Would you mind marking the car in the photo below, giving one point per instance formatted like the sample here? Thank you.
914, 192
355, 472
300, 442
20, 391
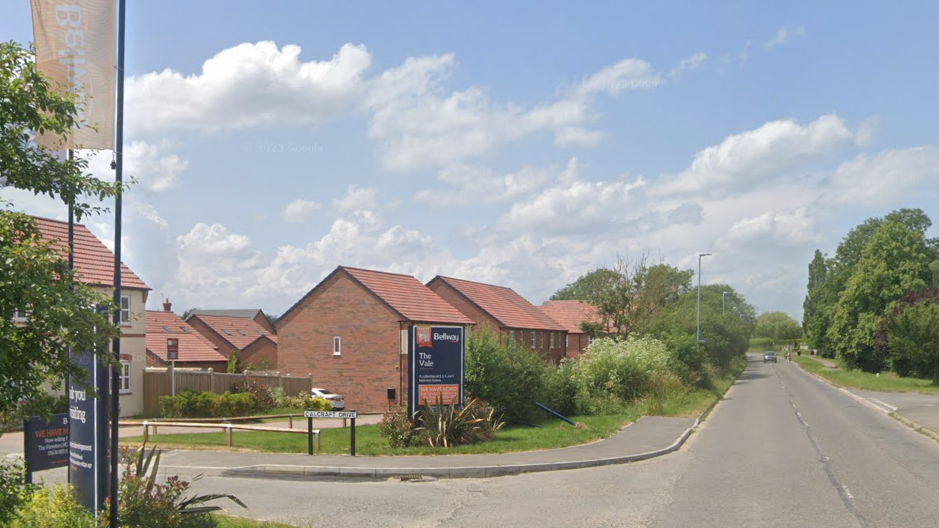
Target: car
769, 356
337, 402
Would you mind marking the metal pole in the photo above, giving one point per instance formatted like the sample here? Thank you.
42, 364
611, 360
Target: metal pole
119, 180
699, 297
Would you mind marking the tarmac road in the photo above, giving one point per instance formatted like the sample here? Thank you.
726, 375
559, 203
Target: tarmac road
783, 449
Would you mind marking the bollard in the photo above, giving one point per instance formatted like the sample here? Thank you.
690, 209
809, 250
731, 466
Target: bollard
290, 420
146, 432
228, 434
317, 440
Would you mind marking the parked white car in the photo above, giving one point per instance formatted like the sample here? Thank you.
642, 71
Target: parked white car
338, 402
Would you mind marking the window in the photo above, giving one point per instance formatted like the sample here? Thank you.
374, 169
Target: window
533, 337
552, 339
124, 377
125, 310
589, 340
512, 336
337, 346
224, 331
166, 329
19, 316
183, 328
567, 341
240, 332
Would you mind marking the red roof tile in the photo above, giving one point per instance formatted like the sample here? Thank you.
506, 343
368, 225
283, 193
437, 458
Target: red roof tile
407, 296
571, 313
193, 346
510, 309
240, 332
94, 262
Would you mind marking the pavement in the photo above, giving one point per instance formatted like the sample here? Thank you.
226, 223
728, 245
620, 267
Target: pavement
646, 438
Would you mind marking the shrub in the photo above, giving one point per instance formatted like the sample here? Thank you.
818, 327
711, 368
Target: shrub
398, 428
52, 508
144, 503
443, 425
510, 377
13, 490
263, 397
189, 404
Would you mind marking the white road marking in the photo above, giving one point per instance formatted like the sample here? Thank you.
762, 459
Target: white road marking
887, 405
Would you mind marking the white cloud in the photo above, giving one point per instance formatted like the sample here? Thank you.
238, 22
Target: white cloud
480, 185
212, 263
154, 166
629, 74
418, 124
299, 210
783, 36
689, 63
248, 85
886, 177
356, 199
786, 228
742, 161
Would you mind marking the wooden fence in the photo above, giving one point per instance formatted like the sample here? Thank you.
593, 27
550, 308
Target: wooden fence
157, 383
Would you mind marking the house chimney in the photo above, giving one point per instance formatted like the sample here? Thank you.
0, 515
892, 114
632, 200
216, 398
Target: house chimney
167, 305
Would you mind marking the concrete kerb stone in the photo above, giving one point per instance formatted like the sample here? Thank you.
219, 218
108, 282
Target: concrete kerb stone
915, 426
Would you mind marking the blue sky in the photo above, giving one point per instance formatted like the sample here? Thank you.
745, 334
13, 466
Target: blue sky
520, 145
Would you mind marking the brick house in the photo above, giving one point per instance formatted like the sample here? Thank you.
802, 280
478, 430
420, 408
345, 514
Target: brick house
195, 350
94, 266
255, 314
350, 333
503, 310
255, 345
571, 314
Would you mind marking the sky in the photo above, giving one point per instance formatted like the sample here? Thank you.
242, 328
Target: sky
521, 145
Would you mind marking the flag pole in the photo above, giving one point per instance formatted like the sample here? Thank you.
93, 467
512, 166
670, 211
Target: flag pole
118, 179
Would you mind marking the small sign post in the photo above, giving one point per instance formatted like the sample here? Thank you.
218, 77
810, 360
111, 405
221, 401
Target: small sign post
45, 444
172, 349
309, 415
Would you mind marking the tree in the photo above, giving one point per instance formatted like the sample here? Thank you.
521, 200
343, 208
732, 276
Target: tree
893, 262
814, 313
272, 319
588, 287
777, 326
914, 338
628, 296
34, 277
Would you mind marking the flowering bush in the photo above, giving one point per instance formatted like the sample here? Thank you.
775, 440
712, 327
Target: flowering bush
263, 397
398, 428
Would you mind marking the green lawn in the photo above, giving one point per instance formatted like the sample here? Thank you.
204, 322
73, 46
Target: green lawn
225, 521
551, 434
885, 382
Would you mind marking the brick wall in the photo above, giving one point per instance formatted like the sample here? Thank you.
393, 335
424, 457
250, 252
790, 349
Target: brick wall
369, 361
261, 349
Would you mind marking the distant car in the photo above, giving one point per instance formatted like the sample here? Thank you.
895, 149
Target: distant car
769, 356
338, 402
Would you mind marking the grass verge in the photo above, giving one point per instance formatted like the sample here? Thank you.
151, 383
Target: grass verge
551, 434
226, 521
856, 379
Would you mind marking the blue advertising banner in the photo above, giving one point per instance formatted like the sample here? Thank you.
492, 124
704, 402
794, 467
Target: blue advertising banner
87, 440
45, 443
436, 366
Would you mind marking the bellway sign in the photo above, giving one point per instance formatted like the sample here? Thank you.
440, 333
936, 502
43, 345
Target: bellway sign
436, 366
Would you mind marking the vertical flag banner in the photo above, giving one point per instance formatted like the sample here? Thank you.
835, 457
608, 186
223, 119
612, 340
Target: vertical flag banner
75, 48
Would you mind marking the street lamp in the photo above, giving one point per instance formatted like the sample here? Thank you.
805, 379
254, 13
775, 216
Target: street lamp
724, 302
699, 294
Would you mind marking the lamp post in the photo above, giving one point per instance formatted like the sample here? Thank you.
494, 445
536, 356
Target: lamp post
700, 255
724, 303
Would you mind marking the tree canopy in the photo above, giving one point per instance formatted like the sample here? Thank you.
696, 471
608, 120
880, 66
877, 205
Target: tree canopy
34, 278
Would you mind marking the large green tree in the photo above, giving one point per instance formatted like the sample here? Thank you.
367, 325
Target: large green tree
893, 262
34, 277
628, 296
777, 326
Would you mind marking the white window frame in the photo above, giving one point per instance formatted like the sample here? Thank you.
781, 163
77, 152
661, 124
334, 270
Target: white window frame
125, 312
552, 340
19, 316
337, 346
512, 336
589, 340
534, 339
124, 377
567, 341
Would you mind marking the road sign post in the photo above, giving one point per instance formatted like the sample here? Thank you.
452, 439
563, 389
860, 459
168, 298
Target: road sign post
309, 415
